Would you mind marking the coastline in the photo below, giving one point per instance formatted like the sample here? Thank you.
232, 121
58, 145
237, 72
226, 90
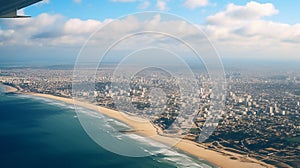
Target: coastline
222, 158
9, 89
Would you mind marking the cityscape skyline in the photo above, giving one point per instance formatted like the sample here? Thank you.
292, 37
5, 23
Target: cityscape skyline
260, 118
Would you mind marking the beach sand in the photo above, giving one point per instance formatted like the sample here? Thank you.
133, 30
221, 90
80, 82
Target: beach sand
10, 89
223, 158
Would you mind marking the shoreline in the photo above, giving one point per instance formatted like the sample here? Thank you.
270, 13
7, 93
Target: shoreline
9, 89
220, 158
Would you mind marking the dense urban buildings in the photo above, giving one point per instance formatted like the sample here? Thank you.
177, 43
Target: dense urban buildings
260, 117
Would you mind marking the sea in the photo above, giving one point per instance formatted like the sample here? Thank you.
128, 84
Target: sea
38, 132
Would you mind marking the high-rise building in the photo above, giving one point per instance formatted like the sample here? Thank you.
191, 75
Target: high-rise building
276, 109
270, 109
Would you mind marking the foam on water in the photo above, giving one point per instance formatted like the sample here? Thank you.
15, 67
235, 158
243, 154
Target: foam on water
146, 141
49, 101
111, 127
170, 155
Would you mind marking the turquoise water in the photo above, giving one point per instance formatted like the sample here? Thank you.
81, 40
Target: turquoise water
38, 132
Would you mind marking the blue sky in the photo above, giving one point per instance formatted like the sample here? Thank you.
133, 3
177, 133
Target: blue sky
102, 9
238, 28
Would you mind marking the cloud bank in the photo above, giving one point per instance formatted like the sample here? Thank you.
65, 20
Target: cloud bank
237, 31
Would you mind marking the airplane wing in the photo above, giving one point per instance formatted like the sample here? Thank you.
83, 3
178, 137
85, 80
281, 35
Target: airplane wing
8, 8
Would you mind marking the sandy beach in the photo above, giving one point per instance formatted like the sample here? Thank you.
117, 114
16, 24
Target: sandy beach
9, 89
223, 158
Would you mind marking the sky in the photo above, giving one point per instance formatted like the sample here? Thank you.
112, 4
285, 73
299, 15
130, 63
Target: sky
238, 29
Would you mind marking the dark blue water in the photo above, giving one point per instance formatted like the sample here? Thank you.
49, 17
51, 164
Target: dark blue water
34, 133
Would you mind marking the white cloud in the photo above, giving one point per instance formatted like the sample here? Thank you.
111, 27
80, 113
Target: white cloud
242, 31
77, 26
6, 35
236, 31
192, 4
47, 29
241, 19
161, 5
235, 14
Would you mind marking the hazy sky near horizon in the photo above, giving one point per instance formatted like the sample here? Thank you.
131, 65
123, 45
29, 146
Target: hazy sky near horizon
238, 28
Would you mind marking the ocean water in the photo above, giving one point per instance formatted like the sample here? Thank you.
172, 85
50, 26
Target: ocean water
38, 132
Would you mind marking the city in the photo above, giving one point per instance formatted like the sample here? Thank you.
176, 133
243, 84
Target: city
260, 118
